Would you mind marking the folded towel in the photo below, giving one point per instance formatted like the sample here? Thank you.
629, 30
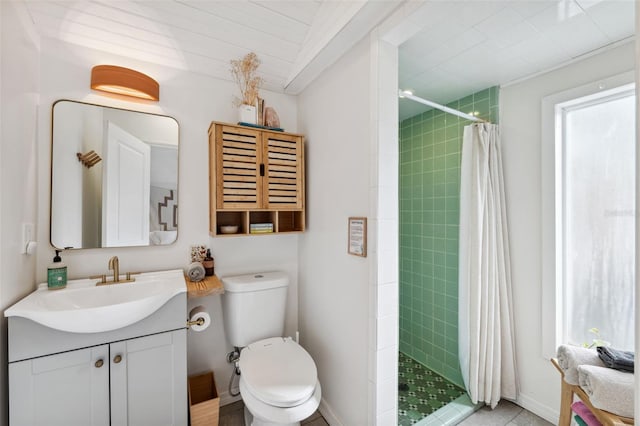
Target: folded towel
608, 389
195, 272
579, 420
570, 357
585, 414
615, 358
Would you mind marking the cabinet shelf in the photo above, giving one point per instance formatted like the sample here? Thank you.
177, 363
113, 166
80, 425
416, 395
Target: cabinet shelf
255, 177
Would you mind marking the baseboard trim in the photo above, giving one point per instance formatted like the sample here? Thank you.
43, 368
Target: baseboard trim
549, 414
327, 413
226, 398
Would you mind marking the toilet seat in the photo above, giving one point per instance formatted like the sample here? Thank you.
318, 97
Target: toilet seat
278, 372
265, 414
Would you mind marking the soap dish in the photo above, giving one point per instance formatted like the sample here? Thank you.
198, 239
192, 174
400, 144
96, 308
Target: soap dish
228, 229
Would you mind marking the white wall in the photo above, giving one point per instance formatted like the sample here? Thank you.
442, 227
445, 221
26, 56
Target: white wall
18, 100
194, 100
334, 115
520, 120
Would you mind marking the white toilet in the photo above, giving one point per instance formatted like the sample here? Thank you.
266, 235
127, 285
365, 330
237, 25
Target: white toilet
278, 378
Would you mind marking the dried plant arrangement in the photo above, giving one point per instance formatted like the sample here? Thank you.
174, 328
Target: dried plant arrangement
244, 74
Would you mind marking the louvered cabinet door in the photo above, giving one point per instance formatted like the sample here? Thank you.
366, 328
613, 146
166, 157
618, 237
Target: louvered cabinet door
238, 180
283, 168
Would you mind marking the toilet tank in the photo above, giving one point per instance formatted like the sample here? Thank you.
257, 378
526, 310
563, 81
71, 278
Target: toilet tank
253, 306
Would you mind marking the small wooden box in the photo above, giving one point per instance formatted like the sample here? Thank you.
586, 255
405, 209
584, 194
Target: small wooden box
204, 402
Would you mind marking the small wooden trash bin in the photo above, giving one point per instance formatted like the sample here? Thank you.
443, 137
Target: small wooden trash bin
204, 402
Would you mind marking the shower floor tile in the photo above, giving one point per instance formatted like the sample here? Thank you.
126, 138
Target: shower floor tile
427, 391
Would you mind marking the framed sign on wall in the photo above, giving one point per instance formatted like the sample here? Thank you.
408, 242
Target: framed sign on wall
358, 236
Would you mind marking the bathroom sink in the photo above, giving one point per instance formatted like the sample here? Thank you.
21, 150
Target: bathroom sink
83, 307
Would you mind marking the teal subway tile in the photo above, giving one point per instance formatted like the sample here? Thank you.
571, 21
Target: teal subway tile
452, 161
452, 175
452, 189
483, 107
439, 148
450, 303
439, 174
438, 355
451, 274
451, 246
451, 330
439, 312
481, 95
452, 132
451, 345
440, 259
452, 203
439, 120
450, 317
453, 231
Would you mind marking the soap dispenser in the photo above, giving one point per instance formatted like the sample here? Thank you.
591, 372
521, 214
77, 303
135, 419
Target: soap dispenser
57, 273
208, 264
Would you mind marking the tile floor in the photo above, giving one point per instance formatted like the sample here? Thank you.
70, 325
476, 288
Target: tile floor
425, 391
505, 414
233, 415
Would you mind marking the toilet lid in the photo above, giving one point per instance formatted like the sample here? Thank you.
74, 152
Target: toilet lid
278, 372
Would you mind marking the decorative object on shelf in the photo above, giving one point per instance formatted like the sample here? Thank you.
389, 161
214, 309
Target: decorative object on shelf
244, 74
228, 229
261, 228
257, 126
196, 272
198, 253
208, 264
89, 159
124, 81
358, 236
271, 118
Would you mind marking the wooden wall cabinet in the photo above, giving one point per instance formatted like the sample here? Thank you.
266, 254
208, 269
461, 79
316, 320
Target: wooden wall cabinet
256, 176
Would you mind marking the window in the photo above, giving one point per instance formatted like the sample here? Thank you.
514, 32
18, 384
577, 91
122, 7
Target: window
591, 275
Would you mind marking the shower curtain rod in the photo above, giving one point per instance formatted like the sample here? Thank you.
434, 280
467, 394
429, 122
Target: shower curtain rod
407, 94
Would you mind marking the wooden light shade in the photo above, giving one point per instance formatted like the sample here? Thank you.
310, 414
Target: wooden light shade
124, 81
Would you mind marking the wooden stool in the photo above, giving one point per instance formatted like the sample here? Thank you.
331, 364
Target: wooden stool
566, 399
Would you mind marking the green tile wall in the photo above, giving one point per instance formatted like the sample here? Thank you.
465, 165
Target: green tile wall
430, 146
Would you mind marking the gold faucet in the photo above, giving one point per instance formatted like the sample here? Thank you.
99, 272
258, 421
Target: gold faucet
114, 264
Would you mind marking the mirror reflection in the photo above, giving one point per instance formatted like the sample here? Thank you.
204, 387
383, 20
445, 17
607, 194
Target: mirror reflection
114, 177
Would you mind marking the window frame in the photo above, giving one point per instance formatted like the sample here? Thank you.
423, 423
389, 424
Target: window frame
552, 150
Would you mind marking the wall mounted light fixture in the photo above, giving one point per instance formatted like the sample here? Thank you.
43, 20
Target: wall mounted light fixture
124, 81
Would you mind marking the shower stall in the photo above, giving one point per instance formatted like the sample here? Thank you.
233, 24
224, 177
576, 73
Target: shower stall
430, 156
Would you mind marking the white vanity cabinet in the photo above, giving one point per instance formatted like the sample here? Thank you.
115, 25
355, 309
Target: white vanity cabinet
132, 376
71, 388
149, 380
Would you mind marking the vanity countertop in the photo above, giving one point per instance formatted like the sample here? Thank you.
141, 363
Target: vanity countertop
208, 287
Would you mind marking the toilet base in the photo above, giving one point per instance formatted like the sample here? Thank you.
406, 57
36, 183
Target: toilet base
250, 420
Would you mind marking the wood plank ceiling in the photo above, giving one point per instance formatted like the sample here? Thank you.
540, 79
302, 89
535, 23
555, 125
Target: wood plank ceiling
452, 48
295, 39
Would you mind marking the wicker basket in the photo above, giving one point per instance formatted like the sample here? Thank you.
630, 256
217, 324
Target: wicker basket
204, 402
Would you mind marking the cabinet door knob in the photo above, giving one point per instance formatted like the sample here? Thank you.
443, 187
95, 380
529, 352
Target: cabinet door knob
99, 363
117, 359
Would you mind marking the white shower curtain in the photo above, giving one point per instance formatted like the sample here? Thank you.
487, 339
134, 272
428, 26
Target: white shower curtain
486, 343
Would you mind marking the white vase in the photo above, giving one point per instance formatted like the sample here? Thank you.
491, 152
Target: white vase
247, 114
